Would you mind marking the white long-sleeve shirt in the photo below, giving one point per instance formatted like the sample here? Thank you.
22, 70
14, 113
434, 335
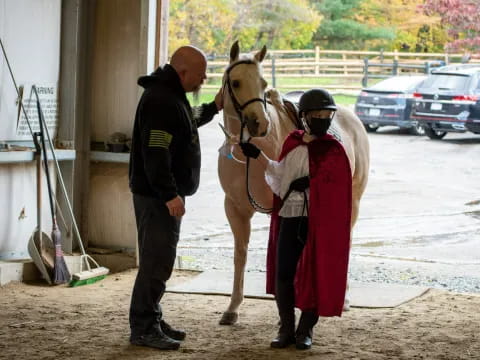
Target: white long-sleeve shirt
279, 176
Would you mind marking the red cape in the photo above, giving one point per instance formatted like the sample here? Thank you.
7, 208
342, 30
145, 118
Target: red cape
321, 277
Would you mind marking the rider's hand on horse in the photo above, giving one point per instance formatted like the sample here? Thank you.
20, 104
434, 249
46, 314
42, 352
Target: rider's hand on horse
249, 150
176, 207
300, 184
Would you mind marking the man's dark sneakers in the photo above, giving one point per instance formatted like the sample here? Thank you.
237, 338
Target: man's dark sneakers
303, 342
156, 340
171, 332
282, 341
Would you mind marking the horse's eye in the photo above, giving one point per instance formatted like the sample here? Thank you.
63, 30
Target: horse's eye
236, 83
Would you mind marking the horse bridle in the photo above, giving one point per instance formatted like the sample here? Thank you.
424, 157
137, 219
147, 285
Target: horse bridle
238, 109
236, 105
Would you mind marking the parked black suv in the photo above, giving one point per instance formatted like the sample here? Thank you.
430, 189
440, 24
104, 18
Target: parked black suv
449, 101
388, 103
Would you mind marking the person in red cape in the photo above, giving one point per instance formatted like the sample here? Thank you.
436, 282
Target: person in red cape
309, 243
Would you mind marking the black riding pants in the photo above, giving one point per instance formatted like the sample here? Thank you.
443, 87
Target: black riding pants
158, 234
291, 241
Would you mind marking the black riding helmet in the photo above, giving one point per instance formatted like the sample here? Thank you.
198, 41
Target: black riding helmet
316, 99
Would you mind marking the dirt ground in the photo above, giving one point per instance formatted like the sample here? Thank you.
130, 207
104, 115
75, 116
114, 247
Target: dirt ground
91, 322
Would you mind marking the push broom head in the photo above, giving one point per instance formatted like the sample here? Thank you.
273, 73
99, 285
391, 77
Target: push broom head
90, 276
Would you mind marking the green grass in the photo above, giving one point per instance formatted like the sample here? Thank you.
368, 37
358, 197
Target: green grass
300, 81
345, 99
303, 81
206, 97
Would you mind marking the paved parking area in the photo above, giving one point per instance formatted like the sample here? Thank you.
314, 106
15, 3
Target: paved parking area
419, 219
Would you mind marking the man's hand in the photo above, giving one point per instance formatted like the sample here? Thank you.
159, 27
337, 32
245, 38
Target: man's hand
219, 99
176, 207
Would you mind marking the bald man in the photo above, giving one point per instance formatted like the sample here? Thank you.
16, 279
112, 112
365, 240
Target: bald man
164, 169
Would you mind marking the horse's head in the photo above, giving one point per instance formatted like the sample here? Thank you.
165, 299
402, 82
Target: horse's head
244, 90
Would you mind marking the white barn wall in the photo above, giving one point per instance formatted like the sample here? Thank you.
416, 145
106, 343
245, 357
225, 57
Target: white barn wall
122, 51
111, 220
115, 67
30, 32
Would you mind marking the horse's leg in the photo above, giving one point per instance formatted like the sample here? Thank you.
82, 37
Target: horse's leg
355, 208
240, 225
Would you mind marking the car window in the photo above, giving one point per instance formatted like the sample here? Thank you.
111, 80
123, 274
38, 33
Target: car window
398, 83
446, 82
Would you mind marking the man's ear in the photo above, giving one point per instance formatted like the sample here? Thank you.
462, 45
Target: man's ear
182, 75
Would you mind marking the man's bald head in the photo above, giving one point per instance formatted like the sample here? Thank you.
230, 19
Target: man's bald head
190, 63
187, 56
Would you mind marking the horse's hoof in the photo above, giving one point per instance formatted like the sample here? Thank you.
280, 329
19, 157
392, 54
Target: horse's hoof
229, 318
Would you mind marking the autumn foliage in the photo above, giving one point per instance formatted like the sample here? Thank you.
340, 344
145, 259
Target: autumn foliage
461, 18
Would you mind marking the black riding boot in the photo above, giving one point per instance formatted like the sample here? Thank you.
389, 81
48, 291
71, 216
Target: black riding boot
285, 303
291, 239
305, 330
286, 333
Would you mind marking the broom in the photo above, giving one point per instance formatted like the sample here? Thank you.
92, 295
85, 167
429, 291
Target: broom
61, 275
83, 277
91, 274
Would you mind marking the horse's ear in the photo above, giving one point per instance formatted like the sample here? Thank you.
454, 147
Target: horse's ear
259, 56
234, 52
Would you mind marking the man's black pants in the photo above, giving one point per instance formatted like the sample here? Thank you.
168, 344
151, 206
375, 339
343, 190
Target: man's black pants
291, 241
158, 235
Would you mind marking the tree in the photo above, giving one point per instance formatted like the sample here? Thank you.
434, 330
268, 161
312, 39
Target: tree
414, 30
213, 25
206, 24
341, 29
280, 24
461, 19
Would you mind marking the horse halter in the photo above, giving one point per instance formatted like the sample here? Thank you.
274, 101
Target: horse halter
239, 108
236, 105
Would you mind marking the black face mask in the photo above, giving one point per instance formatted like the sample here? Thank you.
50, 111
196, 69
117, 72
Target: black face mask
319, 126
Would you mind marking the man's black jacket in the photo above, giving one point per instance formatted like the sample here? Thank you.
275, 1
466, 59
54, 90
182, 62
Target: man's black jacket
165, 153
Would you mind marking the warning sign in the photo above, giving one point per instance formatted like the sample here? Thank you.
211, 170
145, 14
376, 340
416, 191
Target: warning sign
49, 106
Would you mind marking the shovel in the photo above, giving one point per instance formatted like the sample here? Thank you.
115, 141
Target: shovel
60, 274
40, 246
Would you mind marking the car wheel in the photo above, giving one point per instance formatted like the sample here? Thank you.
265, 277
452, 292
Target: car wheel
371, 127
434, 134
417, 129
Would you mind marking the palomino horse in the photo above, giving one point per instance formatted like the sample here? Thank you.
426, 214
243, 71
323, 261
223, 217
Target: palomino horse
245, 102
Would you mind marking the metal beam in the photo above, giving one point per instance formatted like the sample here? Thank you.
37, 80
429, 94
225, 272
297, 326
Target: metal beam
74, 130
161, 39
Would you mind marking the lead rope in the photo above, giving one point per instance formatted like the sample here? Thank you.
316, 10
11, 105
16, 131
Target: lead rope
252, 201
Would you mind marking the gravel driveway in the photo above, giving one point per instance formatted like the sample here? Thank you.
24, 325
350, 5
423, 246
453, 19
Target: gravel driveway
419, 219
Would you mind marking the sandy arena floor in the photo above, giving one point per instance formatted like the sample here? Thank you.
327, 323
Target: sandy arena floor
91, 322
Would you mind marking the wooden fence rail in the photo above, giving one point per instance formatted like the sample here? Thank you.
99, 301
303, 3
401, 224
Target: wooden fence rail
346, 70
